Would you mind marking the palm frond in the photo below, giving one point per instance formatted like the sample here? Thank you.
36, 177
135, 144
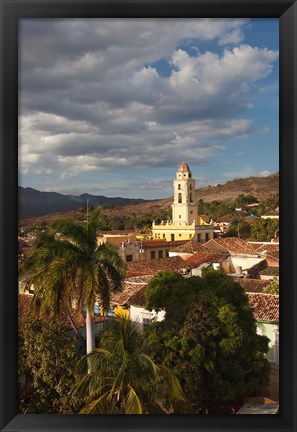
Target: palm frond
72, 230
101, 405
133, 404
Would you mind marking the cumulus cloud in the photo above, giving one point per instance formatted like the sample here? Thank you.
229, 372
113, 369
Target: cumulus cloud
92, 96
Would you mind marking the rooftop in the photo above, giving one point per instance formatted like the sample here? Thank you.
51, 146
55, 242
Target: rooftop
257, 268
207, 256
152, 267
25, 310
265, 307
184, 167
253, 285
270, 271
232, 244
188, 247
133, 292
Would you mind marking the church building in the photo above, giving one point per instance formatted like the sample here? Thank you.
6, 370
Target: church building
185, 223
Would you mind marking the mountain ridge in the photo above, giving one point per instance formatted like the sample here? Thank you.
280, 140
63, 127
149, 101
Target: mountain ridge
33, 203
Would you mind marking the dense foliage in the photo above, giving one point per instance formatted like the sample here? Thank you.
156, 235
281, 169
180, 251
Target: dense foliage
47, 357
69, 268
119, 377
264, 229
273, 288
208, 338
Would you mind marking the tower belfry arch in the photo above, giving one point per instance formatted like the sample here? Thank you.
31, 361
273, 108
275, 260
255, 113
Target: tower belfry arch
185, 224
184, 208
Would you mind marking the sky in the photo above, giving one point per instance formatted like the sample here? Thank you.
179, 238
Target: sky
113, 106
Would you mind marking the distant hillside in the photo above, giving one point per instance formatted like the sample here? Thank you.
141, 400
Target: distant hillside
260, 187
33, 203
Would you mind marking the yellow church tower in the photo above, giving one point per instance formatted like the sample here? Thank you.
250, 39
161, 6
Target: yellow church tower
184, 224
184, 208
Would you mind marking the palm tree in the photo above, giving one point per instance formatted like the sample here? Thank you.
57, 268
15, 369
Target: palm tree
71, 270
120, 378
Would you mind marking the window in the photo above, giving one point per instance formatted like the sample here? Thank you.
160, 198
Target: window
172, 237
206, 237
191, 212
191, 197
164, 236
199, 237
160, 254
153, 254
179, 216
129, 258
167, 253
96, 309
190, 236
179, 235
110, 312
190, 175
145, 323
179, 187
179, 198
156, 235
190, 186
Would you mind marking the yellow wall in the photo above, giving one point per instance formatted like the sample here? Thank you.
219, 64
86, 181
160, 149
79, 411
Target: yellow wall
116, 239
186, 232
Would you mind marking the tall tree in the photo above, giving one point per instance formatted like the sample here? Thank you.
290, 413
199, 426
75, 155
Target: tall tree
47, 356
121, 378
72, 271
208, 338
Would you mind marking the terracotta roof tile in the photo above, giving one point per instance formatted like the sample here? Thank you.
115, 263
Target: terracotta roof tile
189, 247
265, 247
265, 307
200, 258
232, 244
270, 271
152, 267
256, 268
184, 167
24, 310
133, 291
253, 285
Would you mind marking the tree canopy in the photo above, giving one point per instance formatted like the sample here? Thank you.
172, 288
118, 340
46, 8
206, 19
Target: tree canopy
121, 378
71, 270
208, 338
48, 357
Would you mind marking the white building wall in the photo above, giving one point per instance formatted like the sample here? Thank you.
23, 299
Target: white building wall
244, 261
139, 314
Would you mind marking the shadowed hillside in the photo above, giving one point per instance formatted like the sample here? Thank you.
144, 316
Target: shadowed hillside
260, 187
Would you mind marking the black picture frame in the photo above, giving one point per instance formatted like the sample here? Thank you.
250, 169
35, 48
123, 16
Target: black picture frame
11, 12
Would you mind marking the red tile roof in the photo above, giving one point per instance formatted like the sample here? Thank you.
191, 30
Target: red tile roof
265, 307
200, 258
184, 167
233, 244
253, 285
270, 271
152, 267
188, 247
25, 310
133, 292
256, 268
265, 247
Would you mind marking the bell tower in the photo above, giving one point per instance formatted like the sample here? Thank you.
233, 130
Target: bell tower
184, 208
